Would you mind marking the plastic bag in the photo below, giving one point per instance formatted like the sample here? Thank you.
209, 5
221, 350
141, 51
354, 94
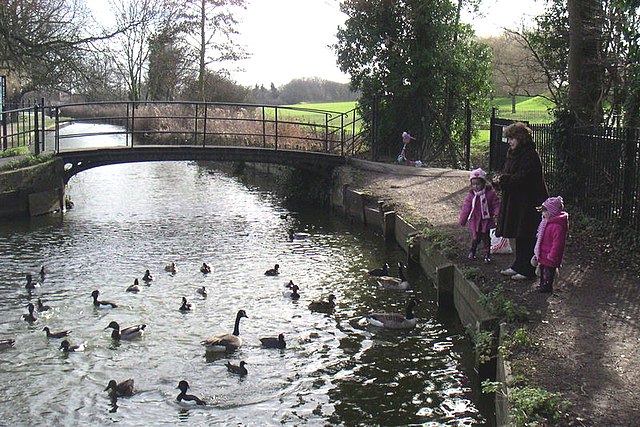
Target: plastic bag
499, 245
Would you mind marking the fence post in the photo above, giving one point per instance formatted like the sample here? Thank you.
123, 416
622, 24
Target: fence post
374, 125
326, 132
195, 125
628, 181
36, 131
5, 144
342, 134
57, 131
44, 141
204, 126
264, 129
133, 121
276, 127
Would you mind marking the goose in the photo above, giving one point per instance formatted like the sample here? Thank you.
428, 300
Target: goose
123, 389
147, 276
237, 369
202, 291
30, 285
297, 235
205, 268
183, 386
42, 273
226, 342
60, 334
273, 342
129, 333
170, 268
97, 303
135, 287
29, 317
321, 305
394, 320
384, 271
273, 271
68, 348
42, 307
394, 282
292, 293
185, 305
8, 343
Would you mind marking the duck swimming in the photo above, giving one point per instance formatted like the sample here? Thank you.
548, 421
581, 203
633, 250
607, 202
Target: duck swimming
68, 348
237, 369
29, 317
183, 386
123, 389
384, 271
60, 334
8, 343
297, 236
226, 342
399, 282
205, 268
171, 268
98, 303
394, 320
42, 307
292, 293
185, 305
147, 276
30, 285
135, 287
321, 305
129, 333
273, 271
202, 291
42, 273
273, 342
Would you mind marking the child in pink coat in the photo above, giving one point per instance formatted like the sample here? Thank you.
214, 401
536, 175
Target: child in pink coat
551, 240
479, 209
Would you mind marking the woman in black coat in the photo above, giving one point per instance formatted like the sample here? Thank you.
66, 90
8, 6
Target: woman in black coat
523, 189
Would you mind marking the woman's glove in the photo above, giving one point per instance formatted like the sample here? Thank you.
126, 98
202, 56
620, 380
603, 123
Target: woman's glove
534, 261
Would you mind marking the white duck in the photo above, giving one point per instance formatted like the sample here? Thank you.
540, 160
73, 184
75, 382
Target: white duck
226, 342
399, 282
394, 320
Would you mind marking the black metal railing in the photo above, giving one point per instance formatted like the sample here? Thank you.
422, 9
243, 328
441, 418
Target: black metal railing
188, 123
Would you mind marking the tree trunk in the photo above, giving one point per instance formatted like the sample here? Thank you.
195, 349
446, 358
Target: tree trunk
203, 43
585, 67
513, 103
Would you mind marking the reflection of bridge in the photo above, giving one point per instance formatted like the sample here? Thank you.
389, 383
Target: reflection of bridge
160, 131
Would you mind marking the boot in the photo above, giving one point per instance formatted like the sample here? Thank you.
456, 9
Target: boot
472, 252
487, 256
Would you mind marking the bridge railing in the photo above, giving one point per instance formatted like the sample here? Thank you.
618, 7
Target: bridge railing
184, 123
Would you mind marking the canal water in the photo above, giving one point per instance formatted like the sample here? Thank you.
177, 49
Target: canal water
128, 218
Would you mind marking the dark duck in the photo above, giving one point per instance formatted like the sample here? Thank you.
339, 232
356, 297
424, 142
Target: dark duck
97, 303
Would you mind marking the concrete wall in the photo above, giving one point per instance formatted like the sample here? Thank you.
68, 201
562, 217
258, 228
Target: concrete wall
33, 190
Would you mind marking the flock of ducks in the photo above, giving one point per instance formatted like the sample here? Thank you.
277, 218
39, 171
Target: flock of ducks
224, 342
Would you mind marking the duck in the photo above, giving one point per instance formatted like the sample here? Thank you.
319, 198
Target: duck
394, 320
147, 276
237, 369
30, 317
297, 235
273, 342
135, 287
226, 342
170, 268
399, 282
60, 334
123, 389
383, 271
205, 268
42, 307
321, 305
98, 303
30, 285
273, 271
185, 305
42, 273
202, 291
129, 333
183, 386
292, 292
7, 343
68, 348
289, 285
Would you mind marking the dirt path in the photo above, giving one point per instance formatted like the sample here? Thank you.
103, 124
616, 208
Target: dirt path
588, 330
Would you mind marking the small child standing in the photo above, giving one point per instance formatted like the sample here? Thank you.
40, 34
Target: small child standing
551, 240
480, 208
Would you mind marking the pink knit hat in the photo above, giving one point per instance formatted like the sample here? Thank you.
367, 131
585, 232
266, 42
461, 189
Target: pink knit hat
477, 173
554, 205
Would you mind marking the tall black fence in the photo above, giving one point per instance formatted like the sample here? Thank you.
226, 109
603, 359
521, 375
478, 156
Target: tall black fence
597, 169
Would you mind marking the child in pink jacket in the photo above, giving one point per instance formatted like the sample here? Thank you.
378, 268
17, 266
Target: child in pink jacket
552, 237
479, 209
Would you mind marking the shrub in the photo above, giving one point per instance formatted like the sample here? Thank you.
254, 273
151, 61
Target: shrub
500, 306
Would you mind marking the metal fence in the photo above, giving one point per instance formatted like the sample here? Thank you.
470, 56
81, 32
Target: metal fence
596, 169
